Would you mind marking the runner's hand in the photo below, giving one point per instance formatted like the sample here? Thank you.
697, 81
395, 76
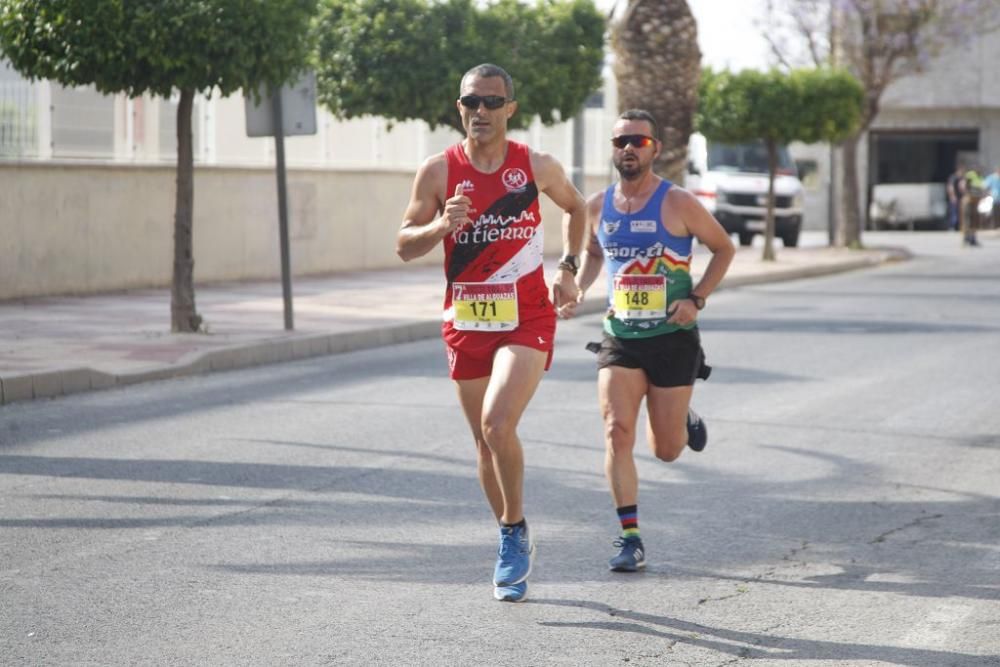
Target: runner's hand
682, 312
456, 211
565, 294
568, 309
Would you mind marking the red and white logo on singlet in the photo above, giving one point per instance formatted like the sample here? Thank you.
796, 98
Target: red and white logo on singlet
515, 180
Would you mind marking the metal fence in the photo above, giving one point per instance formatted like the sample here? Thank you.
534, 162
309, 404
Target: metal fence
18, 119
43, 120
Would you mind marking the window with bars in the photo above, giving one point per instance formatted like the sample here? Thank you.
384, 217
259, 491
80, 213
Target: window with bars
18, 115
83, 123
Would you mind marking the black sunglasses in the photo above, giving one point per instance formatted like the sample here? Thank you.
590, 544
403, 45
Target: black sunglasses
491, 101
637, 140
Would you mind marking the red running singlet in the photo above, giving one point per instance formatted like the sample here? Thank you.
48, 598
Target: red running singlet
497, 259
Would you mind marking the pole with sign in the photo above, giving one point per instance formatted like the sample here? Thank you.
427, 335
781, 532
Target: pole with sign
290, 112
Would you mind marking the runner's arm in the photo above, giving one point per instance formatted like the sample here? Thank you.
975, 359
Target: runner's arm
593, 258
679, 204
423, 228
703, 226
551, 179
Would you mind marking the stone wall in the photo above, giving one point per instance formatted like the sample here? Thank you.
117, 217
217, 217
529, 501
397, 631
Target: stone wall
83, 228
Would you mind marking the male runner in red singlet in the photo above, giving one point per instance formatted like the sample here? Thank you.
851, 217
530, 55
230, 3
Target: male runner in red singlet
643, 226
480, 198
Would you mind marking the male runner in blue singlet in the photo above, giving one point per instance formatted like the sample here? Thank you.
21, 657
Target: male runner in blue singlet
644, 226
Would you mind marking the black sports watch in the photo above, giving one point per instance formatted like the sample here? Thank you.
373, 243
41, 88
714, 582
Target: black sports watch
698, 301
570, 263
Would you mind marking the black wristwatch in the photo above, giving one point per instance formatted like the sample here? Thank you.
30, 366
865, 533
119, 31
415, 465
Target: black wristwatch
698, 301
570, 263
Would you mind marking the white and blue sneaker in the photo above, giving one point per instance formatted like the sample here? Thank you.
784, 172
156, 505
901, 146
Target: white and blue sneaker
513, 593
514, 557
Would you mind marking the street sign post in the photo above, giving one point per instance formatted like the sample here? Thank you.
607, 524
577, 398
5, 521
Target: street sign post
291, 112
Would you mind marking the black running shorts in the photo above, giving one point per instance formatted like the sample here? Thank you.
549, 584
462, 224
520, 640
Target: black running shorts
669, 360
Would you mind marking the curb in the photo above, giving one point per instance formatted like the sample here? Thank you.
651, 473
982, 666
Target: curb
50, 384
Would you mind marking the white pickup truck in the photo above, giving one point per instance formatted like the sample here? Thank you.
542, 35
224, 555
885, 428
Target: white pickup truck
731, 180
908, 205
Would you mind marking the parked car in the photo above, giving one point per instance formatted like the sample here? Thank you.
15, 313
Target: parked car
908, 205
731, 180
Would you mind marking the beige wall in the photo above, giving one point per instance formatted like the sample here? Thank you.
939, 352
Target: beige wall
79, 228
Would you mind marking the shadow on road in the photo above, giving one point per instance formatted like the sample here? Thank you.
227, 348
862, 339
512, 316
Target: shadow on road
755, 645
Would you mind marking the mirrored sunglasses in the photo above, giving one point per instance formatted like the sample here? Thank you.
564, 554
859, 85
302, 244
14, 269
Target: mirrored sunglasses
490, 101
637, 140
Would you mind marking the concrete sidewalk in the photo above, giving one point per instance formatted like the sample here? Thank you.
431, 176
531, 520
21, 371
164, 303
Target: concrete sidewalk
62, 345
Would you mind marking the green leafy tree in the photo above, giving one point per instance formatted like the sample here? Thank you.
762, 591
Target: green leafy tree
775, 107
140, 46
402, 59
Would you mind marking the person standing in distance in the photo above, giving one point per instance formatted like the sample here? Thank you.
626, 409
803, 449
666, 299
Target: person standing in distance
480, 198
952, 188
973, 190
644, 226
992, 185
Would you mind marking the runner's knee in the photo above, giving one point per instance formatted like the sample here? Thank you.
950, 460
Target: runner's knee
498, 431
618, 435
667, 448
483, 451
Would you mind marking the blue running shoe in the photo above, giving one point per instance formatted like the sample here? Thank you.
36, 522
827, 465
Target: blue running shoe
514, 557
514, 593
632, 556
697, 432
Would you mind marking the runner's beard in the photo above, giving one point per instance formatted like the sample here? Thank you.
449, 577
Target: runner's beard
632, 171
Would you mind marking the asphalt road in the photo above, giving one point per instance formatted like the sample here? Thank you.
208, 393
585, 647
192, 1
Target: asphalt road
845, 511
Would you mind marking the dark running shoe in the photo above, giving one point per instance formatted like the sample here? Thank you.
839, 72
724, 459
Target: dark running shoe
697, 433
632, 556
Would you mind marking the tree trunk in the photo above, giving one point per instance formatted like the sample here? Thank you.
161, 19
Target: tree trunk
851, 236
772, 168
183, 316
657, 66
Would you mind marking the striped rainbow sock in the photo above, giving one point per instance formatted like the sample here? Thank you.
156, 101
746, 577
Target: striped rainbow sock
629, 517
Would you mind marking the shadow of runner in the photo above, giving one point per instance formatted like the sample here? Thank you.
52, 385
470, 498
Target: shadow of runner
756, 645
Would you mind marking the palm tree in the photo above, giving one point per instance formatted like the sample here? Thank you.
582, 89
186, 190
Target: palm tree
657, 66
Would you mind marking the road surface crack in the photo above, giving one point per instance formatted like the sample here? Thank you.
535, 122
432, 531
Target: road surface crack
916, 522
